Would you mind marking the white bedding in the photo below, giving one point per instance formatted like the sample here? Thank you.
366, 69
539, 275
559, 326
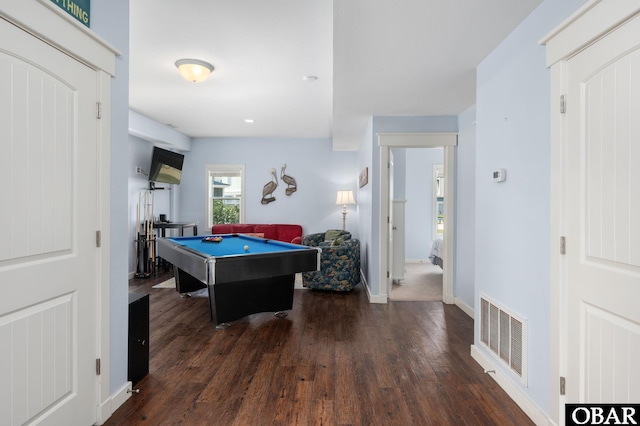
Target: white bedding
436, 249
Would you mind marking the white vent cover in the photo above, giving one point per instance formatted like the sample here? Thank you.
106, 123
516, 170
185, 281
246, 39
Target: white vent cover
505, 334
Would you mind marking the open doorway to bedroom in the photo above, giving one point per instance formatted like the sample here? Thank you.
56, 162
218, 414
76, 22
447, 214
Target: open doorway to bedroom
418, 224
387, 142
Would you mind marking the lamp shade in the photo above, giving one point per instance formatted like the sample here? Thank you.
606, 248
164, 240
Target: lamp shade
194, 70
345, 197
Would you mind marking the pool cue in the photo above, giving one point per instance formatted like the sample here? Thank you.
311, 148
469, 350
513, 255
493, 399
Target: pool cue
153, 237
146, 230
138, 247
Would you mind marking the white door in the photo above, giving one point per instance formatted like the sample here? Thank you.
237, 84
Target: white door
48, 254
602, 207
398, 238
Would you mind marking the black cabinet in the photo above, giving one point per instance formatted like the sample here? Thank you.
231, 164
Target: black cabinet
138, 336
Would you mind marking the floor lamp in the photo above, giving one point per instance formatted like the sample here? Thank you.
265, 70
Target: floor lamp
345, 197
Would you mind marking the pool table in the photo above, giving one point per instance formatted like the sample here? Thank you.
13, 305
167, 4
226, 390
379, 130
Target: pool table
243, 274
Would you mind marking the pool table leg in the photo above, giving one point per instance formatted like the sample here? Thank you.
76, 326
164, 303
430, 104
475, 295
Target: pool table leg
234, 300
185, 283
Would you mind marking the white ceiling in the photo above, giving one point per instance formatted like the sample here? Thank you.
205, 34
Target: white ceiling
371, 57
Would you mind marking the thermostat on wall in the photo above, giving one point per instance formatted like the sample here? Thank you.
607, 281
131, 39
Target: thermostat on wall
499, 175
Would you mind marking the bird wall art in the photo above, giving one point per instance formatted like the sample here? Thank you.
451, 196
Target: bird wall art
290, 181
269, 187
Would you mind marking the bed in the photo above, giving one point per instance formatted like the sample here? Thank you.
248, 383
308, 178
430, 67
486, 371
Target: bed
436, 253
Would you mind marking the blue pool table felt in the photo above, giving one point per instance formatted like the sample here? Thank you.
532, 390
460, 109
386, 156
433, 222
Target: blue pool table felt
233, 245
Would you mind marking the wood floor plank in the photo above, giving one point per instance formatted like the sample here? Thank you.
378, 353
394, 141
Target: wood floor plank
322, 412
257, 396
335, 360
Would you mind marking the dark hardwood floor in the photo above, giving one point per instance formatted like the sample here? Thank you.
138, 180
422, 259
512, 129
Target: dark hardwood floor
335, 360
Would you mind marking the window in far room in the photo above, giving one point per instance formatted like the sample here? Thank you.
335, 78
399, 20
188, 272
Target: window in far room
225, 193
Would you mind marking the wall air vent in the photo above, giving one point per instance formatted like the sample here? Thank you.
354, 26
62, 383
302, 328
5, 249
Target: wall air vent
505, 335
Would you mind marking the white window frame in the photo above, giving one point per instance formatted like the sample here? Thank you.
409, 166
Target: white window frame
209, 189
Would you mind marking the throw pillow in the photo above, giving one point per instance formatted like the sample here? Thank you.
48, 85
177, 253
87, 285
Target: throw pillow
337, 242
269, 231
332, 234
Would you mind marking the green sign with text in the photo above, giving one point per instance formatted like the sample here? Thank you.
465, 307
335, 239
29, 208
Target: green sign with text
79, 9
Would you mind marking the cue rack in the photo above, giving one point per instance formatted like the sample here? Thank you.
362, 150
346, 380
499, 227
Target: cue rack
145, 241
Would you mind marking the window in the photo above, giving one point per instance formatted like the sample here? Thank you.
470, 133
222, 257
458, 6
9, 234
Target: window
225, 193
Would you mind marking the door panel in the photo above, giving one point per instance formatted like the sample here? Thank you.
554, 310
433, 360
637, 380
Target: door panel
602, 208
48, 256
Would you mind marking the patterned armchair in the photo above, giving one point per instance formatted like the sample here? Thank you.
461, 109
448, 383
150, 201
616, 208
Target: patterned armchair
339, 262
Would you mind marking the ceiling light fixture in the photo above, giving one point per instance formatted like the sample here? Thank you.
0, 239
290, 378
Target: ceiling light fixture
310, 78
249, 120
194, 70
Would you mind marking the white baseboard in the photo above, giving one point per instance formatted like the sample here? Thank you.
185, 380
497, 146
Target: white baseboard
465, 308
376, 299
530, 409
372, 299
108, 407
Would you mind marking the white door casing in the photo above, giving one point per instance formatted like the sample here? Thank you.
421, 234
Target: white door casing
390, 224
48, 255
596, 204
386, 141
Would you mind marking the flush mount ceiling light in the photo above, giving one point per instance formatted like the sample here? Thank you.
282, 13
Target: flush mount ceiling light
310, 78
194, 70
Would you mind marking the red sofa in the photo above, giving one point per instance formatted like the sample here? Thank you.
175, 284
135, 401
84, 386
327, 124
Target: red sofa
281, 232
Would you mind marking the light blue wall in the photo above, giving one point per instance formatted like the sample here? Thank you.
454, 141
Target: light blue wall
319, 172
110, 20
512, 218
365, 197
464, 278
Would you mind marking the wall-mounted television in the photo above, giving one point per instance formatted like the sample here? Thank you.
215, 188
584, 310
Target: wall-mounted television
166, 166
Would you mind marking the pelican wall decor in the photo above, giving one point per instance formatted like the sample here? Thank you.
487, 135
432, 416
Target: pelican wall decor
291, 182
269, 187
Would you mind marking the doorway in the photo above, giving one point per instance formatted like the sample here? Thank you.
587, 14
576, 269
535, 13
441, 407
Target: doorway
418, 223
386, 141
